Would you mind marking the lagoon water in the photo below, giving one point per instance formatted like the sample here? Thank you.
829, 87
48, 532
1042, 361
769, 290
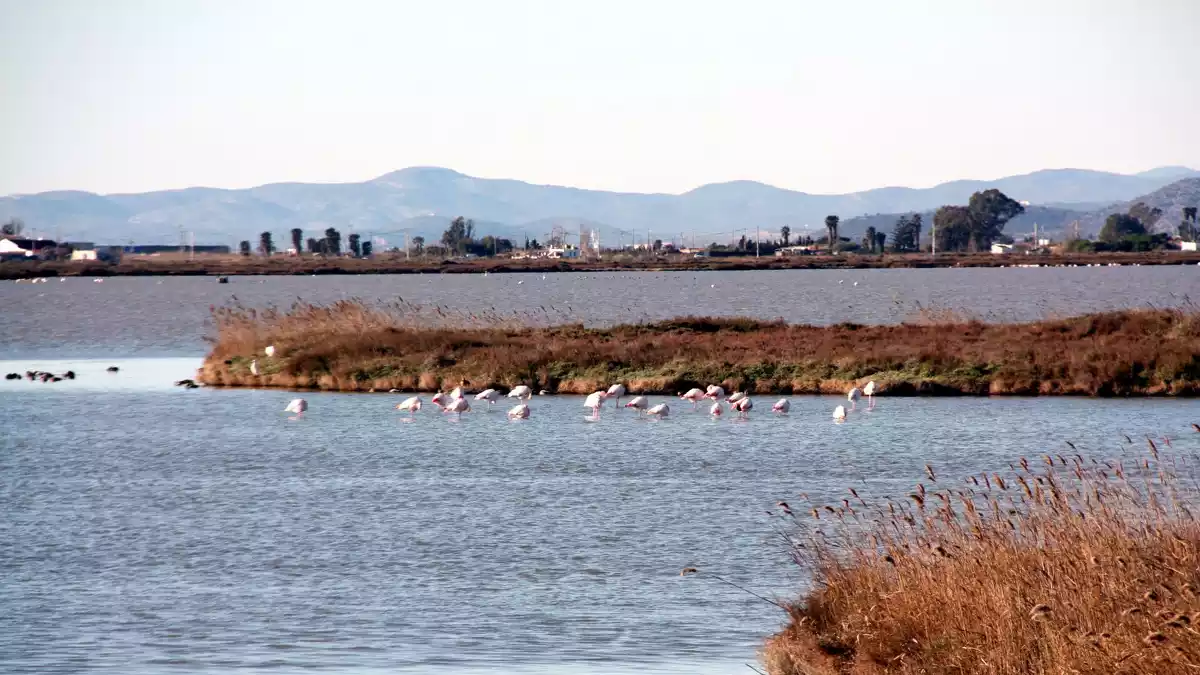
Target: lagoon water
150, 529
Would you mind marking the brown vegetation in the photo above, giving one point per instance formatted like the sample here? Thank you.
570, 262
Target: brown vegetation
357, 347
225, 265
1063, 565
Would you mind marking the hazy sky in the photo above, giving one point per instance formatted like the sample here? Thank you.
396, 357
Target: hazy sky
135, 95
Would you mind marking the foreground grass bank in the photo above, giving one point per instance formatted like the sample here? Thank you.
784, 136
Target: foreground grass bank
351, 346
1062, 565
234, 265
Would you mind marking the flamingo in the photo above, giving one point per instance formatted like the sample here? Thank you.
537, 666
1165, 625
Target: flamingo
869, 390
661, 410
270, 350
456, 393
440, 399
521, 391
714, 392
694, 395
298, 406
638, 403
743, 407
853, 397
254, 366
489, 395
716, 410
458, 406
595, 401
410, 404
839, 414
735, 397
615, 392
519, 412
782, 406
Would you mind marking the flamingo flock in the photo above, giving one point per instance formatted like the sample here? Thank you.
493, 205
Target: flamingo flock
739, 402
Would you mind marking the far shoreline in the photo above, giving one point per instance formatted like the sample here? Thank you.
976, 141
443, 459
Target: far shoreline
234, 265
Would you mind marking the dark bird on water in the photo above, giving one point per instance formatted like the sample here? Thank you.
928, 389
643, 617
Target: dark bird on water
1196, 427
112, 369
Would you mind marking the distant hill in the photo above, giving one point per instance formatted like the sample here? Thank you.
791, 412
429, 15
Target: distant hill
421, 200
1170, 198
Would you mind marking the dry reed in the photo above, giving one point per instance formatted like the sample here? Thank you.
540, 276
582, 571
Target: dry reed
1061, 565
352, 345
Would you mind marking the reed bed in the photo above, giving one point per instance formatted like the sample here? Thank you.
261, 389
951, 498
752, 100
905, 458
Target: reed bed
1061, 564
357, 346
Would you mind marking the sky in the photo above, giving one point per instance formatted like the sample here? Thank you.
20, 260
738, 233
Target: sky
637, 96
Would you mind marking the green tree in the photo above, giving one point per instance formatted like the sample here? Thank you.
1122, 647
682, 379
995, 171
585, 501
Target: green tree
333, 242
1189, 213
785, 233
831, 229
989, 211
265, 246
906, 235
869, 239
13, 228
244, 247
952, 228
1119, 226
297, 239
366, 249
313, 245
355, 248
1146, 215
418, 244
658, 244
459, 235
880, 240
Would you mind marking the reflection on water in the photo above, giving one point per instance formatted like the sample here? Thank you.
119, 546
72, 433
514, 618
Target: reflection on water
165, 316
146, 528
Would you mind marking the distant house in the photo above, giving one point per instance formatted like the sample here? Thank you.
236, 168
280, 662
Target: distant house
1187, 246
11, 247
82, 250
1001, 249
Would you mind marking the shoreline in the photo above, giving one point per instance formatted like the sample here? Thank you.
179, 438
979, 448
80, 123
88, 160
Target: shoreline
353, 347
211, 265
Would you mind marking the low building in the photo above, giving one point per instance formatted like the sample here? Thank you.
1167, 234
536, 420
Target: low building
1001, 249
82, 250
1187, 246
18, 246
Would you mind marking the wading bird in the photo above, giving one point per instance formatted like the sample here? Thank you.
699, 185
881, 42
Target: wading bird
743, 407
638, 403
869, 390
521, 391
615, 392
412, 405
694, 395
735, 397
440, 399
782, 406
716, 410
519, 412
595, 401
458, 406
660, 411
714, 392
298, 406
839, 414
853, 397
489, 395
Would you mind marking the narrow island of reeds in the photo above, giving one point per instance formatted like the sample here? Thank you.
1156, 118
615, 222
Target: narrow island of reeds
355, 346
1060, 565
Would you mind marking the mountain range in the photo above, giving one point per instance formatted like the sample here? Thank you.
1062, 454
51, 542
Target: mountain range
422, 200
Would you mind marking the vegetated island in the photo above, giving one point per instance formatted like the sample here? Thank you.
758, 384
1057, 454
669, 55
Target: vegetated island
354, 346
235, 265
1062, 563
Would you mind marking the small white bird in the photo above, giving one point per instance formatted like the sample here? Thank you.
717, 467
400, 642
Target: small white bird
856, 283
459, 406
489, 395
661, 410
412, 405
743, 407
869, 390
716, 410
520, 282
519, 412
839, 414
615, 392
853, 397
715, 392
254, 366
270, 350
782, 406
298, 406
638, 403
595, 401
735, 397
694, 395
521, 391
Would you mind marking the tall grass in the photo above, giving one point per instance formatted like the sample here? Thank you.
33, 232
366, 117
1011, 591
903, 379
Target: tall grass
355, 345
1061, 565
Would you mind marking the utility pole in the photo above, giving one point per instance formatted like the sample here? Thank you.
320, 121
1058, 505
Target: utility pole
756, 242
193, 235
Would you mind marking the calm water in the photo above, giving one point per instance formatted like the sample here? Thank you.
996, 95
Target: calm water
167, 317
149, 529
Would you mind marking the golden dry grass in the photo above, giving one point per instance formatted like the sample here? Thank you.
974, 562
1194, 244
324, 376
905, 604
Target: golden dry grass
354, 346
1063, 565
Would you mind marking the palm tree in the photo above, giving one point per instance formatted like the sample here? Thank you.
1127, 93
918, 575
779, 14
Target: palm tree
785, 233
831, 226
